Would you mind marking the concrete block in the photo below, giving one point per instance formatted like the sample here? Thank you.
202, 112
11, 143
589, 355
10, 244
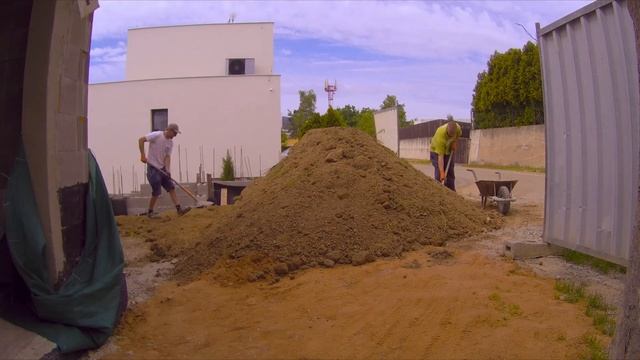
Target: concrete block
18, 343
82, 133
72, 67
519, 250
68, 101
66, 133
72, 168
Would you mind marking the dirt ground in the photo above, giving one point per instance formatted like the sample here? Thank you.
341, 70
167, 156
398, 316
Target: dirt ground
339, 197
463, 300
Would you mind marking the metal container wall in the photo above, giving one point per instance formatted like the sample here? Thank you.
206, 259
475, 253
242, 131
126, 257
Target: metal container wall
590, 77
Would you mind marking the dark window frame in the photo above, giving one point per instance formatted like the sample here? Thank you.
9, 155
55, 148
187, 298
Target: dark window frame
153, 112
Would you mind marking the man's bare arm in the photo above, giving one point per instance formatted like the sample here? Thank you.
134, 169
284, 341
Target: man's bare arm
167, 164
141, 142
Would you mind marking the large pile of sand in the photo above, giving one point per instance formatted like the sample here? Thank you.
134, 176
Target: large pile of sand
339, 197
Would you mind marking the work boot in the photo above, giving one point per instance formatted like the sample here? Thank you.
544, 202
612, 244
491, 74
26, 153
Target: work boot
153, 215
181, 211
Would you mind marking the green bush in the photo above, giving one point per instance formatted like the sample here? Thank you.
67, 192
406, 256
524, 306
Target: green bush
228, 173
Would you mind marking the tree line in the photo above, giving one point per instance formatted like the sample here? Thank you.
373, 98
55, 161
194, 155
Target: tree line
509, 92
305, 117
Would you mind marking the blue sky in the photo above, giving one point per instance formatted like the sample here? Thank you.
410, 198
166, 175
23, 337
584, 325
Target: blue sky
427, 53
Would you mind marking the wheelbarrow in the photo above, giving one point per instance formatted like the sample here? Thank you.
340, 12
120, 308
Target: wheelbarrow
496, 191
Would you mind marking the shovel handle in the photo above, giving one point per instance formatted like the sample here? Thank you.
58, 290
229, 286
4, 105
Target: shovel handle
446, 171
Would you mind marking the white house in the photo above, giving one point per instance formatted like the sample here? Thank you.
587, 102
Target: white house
215, 81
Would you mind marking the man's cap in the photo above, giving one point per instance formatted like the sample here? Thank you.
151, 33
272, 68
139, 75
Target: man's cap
175, 128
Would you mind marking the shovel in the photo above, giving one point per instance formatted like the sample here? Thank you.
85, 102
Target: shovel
199, 203
446, 171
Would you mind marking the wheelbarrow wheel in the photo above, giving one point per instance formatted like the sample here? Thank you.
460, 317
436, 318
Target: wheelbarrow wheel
503, 193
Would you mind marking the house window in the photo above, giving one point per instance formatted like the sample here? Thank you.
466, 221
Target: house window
241, 66
159, 119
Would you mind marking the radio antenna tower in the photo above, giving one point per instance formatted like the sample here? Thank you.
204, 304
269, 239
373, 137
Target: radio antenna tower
331, 90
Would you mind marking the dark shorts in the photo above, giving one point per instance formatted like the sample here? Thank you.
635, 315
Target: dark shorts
157, 180
450, 180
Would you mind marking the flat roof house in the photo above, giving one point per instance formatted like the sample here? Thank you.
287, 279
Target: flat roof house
216, 81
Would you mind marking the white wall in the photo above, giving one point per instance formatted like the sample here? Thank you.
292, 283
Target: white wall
386, 122
522, 146
216, 112
197, 50
417, 148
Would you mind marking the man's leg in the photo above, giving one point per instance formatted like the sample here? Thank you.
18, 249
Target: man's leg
174, 197
152, 203
155, 182
434, 162
450, 181
170, 188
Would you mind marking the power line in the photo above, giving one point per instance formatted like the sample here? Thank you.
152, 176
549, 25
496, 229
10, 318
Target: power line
528, 33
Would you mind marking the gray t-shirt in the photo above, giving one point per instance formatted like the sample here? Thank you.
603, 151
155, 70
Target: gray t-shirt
159, 148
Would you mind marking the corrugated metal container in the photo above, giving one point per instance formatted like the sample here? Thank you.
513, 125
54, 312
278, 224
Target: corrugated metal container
591, 104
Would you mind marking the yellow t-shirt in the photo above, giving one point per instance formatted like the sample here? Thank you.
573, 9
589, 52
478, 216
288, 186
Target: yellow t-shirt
441, 142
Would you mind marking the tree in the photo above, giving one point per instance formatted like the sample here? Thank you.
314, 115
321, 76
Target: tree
391, 101
283, 141
331, 119
509, 92
366, 123
314, 123
228, 173
305, 111
350, 115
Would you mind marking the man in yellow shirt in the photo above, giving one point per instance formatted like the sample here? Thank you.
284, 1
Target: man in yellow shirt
443, 142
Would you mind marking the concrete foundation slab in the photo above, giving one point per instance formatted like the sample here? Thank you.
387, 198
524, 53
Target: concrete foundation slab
18, 343
519, 250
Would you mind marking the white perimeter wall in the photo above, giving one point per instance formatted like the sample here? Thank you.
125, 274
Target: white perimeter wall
214, 112
522, 146
197, 50
386, 122
417, 148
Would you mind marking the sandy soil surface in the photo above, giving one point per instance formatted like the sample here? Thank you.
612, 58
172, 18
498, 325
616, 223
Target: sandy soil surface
463, 300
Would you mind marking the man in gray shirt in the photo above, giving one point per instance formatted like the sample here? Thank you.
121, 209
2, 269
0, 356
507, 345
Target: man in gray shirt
158, 163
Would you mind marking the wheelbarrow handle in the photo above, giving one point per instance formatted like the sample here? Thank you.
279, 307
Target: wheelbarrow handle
475, 178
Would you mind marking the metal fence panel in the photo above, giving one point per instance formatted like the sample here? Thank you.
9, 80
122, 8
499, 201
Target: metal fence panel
428, 128
591, 102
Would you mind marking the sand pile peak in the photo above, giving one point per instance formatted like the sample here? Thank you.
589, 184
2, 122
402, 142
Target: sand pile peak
339, 197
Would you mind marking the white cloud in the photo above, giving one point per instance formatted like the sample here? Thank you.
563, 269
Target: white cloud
109, 53
108, 63
438, 47
106, 72
410, 29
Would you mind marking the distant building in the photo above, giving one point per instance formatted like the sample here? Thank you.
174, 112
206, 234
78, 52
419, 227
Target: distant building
415, 140
287, 125
426, 129
215, 81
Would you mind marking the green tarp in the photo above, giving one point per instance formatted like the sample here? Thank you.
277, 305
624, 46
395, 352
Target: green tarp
83, 312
